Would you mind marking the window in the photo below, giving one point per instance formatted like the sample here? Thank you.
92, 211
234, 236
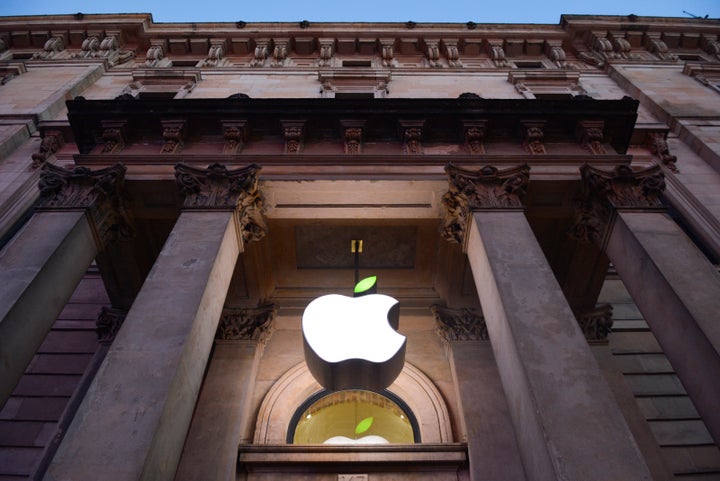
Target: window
353, 417
528, 64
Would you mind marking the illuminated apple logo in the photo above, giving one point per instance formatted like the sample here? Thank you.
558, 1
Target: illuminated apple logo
352, 342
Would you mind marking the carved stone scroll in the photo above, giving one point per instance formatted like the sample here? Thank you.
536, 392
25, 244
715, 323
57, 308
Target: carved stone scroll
216, 54
387, 46
327, 50
497, 53
155, 55
219, 188
555, 52
234, 133
487, 188
459, 324
432, 51
474, 136
657, 142
533, 141
280, 52
260, 53
174, 136
108, 324
605, 191
597, 323
113, 135
659, 48
293, 136
452, 53
590, 135
256, 324
99, 193
51, 142
52, 47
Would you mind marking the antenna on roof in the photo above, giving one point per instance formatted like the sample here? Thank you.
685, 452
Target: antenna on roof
694, 16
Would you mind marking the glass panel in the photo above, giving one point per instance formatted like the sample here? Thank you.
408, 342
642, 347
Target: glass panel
353, 417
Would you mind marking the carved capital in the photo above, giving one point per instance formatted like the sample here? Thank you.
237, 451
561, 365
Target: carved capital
474, 136
596, 324
108, 324
603, 192
487, 188
657, 142
293, 136
255, 324
113, 135
174, 136
533, 138
51, 142
590, 135
99, 193
234, 133
459, 324
216, 187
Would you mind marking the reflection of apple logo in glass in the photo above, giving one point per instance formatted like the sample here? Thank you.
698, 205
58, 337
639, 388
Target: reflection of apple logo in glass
352, 342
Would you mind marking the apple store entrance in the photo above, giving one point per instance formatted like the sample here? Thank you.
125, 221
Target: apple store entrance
353, 416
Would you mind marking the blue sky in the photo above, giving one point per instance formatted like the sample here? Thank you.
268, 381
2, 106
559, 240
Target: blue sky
479, 11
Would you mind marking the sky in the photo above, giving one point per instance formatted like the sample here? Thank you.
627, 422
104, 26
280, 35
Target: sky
479, 11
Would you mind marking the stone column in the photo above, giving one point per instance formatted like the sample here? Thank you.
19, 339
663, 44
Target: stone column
78, 212
567, 423
675, 287
222, 415
485, 420
133, 420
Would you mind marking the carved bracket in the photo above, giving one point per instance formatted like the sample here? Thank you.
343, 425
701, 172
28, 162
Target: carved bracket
261, 53
452, 53
432, 52
596, 324
474, 136
174, 136
555, 52
487, 188
97, 192
51, 142
459, 324
216, 54
657, 142
411, 132
387, 46
590, 136
53, 46
108, 324
533, 139
659, 48
280, 52
113, 135
234, 133
352, 135
293, 136
327, 50
257, 324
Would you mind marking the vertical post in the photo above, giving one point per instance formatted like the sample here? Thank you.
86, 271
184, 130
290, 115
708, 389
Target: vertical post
133, 421
78, 212
566, 420
675, 287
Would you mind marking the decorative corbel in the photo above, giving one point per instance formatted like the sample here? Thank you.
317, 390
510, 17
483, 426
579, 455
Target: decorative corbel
657, 142
622, 46
113, 135
590, 136
327, 50
459, 324
533, 138
657, 47
52, 47
603, 192
452, 53
261, 53
497, 54
219, 188
474, 136
88, 48
712, 47
555, 52
432, 51
596, 323
487, 188
216, 54
155, 55
108, 324
52, 141
174, 136
412, 137
293, 136
234, 133
255, 324
352, 135
387, 46
280, 52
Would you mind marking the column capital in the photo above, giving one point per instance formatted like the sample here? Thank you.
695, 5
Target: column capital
97, 192
604, 192
254, 324
217, 188
485, 189
459, 324
596, 323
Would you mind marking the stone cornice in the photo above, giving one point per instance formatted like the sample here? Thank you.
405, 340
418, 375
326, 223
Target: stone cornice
485, 189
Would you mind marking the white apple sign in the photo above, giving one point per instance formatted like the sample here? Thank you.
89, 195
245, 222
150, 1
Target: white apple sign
352, 342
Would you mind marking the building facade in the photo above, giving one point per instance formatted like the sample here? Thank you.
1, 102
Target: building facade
542, 200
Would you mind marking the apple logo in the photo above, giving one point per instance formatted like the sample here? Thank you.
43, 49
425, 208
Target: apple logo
352, 342
362, 427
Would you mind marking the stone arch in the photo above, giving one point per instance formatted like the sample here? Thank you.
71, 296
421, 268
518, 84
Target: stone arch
297, 385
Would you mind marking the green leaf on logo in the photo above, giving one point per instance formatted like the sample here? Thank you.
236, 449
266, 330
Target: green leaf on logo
365, 284
363, 425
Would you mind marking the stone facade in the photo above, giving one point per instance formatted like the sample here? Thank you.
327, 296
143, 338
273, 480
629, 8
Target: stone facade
541, 199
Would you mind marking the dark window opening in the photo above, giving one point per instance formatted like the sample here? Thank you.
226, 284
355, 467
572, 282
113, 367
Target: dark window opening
553, 96
157, 95
185, 63
356, 63
527, 64
354, 95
